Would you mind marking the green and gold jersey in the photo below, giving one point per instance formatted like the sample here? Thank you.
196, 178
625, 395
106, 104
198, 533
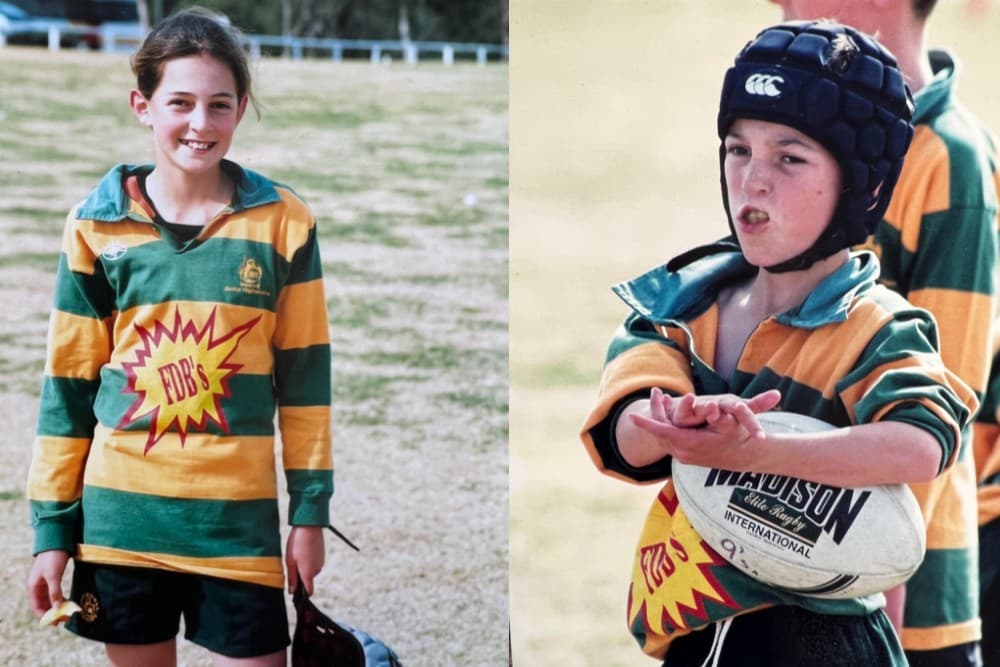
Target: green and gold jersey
937, 246
167, 363
852, 353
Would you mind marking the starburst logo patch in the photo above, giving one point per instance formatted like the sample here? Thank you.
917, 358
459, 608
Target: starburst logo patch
672, 577
180, 376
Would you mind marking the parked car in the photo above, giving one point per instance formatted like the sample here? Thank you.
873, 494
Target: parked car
120, 16
19, 26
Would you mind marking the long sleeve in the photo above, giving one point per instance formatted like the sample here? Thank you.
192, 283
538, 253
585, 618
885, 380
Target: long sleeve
79, 344
303, 383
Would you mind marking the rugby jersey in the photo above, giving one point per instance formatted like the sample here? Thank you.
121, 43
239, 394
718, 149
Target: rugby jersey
937, 247
167, 362
852, 353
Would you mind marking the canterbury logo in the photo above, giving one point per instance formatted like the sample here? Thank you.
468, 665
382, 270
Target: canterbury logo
763, 84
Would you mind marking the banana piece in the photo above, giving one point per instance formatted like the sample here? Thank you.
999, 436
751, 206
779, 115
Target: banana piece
59, 613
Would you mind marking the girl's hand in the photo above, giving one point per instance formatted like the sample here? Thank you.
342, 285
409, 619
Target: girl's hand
45, 580
305, 554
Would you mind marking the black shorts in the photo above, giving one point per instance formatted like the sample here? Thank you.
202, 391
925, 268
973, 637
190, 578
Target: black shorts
135, 605
960, 655
788, 636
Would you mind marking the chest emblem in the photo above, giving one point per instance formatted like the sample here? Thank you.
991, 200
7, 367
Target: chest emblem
250, 273
180, 375
114, 250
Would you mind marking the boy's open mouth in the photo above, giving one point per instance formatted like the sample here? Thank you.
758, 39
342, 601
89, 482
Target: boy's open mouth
754, 216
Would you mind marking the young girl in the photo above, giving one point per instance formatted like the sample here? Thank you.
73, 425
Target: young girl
189, 307
814, 123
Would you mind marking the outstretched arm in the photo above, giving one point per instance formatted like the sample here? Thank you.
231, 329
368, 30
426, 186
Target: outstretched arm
641, 443
886, 452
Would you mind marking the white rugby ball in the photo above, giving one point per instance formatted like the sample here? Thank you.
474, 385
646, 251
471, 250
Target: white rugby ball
804, 537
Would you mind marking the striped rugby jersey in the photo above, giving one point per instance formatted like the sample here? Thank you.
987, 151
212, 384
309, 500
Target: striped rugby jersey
937, 246
852, 353
167, 362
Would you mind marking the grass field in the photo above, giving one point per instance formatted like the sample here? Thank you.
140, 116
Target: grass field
614, 169
406, 171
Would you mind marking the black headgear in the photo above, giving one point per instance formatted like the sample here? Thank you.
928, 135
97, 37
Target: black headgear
843, 89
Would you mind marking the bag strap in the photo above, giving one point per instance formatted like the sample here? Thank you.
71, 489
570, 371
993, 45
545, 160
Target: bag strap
342, 536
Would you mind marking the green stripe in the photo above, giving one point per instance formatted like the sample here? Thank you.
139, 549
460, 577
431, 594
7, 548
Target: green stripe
796, 397
635, 332
309, 493
154, 273
306, 264
944, 589
248, 411
180, 526
299, 377
87, 295
66, 408
56, 524
895, 261
964, 251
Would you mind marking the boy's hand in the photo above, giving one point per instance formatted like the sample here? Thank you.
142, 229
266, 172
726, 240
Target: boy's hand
304, 556
691, 411
45, 580
710, 431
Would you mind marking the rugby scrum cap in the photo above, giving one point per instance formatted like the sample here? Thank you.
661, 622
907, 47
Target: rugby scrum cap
843, 89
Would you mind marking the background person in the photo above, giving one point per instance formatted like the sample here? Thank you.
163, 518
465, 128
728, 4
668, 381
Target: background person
937, 246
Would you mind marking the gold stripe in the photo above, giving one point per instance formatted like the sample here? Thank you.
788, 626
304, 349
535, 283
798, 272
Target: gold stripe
948, 503
306, 438
926, 179
930, 367
84, 240
305, 323
194, 471
285, 225
262, 570
227, 318
963, 320
804, 356
56, 471
78, 346
926, 639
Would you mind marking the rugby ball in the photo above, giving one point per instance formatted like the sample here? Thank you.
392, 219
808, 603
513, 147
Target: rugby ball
801, 536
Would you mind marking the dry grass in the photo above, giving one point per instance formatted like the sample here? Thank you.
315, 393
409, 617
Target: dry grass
614, 169
406, 170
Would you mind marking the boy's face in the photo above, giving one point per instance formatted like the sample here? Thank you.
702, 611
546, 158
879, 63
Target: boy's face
783, 188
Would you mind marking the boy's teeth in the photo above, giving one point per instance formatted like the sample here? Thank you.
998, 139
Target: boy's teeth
756, 216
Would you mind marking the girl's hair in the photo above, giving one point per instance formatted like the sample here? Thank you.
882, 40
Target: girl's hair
191, 32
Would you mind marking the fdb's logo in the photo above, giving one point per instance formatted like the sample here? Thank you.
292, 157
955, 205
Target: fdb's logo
763, 84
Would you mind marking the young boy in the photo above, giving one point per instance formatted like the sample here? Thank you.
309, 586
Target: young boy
937, 246
814, 123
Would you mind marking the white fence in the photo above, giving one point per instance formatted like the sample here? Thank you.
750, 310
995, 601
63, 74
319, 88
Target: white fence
125, 37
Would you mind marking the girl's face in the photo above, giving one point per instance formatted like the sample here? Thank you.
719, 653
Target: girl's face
783, 188
193, 112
